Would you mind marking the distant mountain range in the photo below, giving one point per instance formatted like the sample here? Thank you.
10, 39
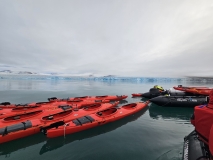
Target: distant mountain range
16, 72
10, 72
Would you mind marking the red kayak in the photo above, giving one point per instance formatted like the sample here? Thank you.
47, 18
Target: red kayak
96, 119
204, 91
195, 90
10, 127
19, 130
105, 97
137, 95
47, 105
184, 88
79, 102
9, 105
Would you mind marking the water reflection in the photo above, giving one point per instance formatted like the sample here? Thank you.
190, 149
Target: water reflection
175, 154
157, 112
52, 144
12, 146
55, 143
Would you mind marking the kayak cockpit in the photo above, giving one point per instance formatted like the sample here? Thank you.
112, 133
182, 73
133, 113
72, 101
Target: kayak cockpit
101, 96
130, 106
84, 97
107, 112
75, 100
25, 108
57, 116
92, 107
22, 116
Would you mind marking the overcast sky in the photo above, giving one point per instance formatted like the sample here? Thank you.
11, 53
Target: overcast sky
118, 37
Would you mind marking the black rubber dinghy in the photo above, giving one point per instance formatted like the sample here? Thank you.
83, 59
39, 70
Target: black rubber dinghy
179, 101
194, 149
153, 92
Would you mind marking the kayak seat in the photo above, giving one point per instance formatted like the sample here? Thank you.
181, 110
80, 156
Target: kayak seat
16, 117
99, 113
50, 118
83, 120
15, 127
65, 107
75, 109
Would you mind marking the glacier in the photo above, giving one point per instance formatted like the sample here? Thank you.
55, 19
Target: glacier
102, 78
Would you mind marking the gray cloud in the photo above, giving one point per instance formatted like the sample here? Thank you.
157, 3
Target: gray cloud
118, 37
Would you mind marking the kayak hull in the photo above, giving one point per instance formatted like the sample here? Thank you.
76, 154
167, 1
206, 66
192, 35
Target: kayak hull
195, 90
44, 120
19, 130
46, 106
96, 119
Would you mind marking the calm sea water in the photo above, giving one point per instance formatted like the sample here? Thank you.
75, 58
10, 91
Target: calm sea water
155, 133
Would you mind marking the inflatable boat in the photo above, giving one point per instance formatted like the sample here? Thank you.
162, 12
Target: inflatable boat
40, 119
179, 101
155, 93
96, 119
195, 90
194, 149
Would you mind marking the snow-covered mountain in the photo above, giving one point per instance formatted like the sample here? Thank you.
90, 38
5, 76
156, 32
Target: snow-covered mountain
16, 72
12, 72
6, 71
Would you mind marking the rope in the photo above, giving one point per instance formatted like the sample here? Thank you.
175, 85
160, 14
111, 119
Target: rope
65, 129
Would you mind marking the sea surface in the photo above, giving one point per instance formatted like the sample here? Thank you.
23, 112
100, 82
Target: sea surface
155, 133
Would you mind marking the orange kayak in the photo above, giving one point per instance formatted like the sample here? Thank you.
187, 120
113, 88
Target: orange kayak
105, 97
10, 127
80, 101
6, 111
95, 119
195, 90
137, 94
